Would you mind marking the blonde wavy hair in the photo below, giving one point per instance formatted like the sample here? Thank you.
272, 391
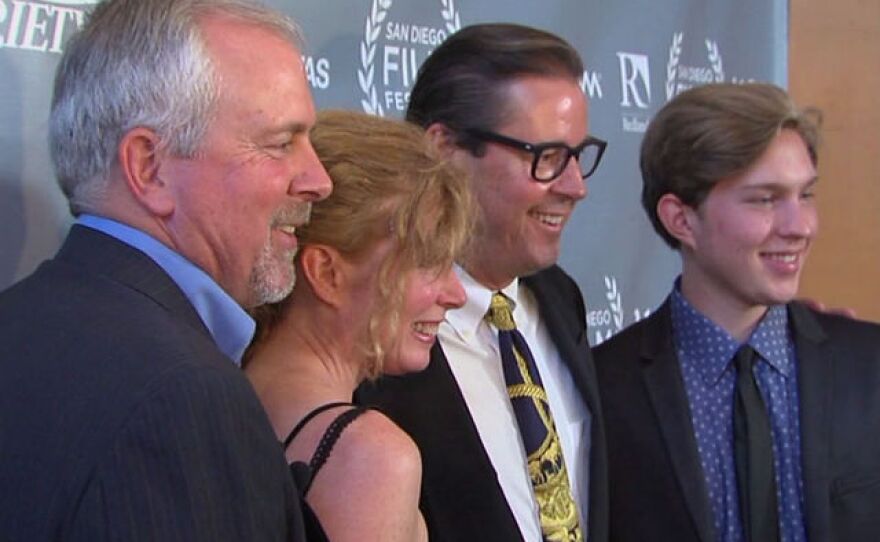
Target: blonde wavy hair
388, 182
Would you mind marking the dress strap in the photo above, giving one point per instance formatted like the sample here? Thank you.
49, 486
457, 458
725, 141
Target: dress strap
308, 417
331, 435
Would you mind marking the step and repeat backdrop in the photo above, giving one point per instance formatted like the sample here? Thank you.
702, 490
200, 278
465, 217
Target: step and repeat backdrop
364, 54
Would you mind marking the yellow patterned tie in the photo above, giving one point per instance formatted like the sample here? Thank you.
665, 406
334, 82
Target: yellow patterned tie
558, 511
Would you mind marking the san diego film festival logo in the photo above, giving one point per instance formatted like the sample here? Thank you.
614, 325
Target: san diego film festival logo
392, 51
680, 77
611, 318
40, 26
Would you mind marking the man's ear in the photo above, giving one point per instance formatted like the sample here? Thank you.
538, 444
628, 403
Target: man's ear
140, 159
444, 141
322, 267
442, 138
678, 218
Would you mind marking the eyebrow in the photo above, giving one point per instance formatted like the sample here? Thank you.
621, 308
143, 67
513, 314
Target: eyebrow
297, 128
300, 127
292, 128
775, 185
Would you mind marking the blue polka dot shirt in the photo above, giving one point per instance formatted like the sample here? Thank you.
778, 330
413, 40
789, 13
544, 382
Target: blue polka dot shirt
705, 352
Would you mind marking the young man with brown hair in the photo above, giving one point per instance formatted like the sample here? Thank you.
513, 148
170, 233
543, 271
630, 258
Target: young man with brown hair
733, 412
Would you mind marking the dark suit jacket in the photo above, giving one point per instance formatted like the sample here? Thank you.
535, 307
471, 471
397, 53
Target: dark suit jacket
656, 481
119, 417
461, 498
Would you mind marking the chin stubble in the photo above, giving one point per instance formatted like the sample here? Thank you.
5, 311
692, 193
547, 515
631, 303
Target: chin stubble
273, 275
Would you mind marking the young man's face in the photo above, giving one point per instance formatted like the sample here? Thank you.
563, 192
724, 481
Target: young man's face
751, 235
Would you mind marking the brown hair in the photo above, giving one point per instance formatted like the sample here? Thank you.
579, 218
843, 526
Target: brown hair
462, 83
387, 181
711, 132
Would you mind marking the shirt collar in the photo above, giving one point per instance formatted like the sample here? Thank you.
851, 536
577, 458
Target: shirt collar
465, 321
715, 348
230, 326
772, 341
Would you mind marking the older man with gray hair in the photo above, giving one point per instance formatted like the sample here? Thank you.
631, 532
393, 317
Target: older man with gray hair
179, 134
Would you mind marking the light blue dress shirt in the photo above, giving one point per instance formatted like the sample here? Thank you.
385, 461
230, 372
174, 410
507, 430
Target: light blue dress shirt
230, 326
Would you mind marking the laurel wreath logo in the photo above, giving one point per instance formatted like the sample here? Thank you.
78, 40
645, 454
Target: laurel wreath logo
672, 65
675, 55
373, 26
450, 16
715, 60
615, 305
614, 301
372, 29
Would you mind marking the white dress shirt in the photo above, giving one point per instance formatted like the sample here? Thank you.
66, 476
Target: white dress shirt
471, 348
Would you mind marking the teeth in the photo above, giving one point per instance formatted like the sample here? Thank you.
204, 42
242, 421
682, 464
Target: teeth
288, 229
426, 328
553, 220
784, 258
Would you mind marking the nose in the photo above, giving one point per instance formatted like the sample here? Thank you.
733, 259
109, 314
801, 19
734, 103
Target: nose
799, 219
451, 292
311, 183
569, 183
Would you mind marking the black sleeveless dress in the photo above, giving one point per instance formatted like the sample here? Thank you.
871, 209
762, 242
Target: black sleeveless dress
304, 473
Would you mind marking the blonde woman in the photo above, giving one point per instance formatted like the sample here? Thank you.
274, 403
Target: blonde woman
374, 282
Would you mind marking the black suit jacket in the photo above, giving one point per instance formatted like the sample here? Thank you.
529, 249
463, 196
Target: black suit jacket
461, 498
657, 487
119, 417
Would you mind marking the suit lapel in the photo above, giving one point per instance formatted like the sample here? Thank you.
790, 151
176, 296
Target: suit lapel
663, 380
814, 387
465, 451
568, 332
461, 495
106, 256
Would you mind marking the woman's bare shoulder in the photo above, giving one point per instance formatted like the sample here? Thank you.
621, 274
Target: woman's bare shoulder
369, 488
376, 442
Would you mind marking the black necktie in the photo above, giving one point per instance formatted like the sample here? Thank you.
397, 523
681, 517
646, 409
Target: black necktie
557, 509
753, 450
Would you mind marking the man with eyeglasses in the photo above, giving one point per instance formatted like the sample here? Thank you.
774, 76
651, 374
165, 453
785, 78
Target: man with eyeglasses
507, 459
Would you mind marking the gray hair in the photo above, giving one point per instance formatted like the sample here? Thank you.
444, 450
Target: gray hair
138, 63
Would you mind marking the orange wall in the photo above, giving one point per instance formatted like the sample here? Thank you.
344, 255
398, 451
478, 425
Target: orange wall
834, 64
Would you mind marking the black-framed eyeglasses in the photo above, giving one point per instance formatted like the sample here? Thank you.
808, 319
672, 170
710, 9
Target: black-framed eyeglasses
550, 159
